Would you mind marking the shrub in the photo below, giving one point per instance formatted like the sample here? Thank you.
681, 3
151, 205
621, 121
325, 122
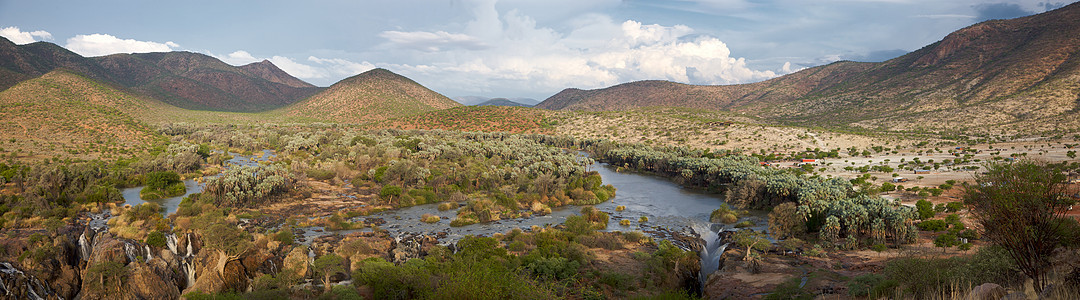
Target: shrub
724, 214
954, 206
430, 218
925, 209
285, 236
932, 225
156, 239
862, 285
556, 268
320, 174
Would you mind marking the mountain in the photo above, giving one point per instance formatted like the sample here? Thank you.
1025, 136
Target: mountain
476, 118
1018, 74
374, 95
68, 114
471, 100
479, 100
501, 102
183, 79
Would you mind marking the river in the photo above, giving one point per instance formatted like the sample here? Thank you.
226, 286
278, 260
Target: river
667, 205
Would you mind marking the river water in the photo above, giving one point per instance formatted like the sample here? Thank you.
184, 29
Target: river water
131, 195
667, 205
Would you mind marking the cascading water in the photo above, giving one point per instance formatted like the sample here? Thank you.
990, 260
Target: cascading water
130, 251
170, 241
10, 277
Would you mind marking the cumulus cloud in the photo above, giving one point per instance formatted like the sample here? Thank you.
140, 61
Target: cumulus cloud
598, 52
432, 41
238, 58
337, 67
104, 44
20, 37
298, 69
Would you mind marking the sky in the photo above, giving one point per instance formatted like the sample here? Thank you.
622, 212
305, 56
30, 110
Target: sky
511, 48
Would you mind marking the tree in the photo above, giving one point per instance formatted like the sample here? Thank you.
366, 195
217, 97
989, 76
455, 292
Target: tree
389, 191
1021, 207
946, 240
326, 266
751, 240
785, 221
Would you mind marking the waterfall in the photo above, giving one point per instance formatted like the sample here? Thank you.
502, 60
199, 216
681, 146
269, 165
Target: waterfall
170, 240
189, 268
84, 247
712, 250
34, 287
149, 254
189, 251
130, 249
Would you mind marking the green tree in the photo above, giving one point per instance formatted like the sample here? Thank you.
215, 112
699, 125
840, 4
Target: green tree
751, 240
925, 209
326, 266
389, 191
1021, 207
785, 221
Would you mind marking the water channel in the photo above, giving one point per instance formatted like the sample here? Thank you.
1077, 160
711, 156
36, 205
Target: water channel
667, 206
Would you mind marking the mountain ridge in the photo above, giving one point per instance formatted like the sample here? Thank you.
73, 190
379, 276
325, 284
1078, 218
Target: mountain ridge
184, 79
1018, 73
375, 95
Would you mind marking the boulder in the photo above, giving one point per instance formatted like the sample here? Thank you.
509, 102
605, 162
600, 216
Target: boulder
146, 283
986, 291
298, 261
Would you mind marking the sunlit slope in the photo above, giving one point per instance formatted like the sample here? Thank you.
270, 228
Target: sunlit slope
371, 96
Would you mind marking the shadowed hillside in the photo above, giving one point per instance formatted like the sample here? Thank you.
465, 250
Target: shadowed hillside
1018, 75
183, 79
371, 96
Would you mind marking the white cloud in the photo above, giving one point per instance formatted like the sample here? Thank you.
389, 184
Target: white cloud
298, 69
19, 37
104, 44
432, 41
599, 52
337, 67
238, 58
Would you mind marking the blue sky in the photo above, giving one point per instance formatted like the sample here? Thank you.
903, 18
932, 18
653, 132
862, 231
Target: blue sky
511, 48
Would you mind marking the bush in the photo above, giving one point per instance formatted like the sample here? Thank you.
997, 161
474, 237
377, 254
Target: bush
954, 206
925, 209
320, 174
863, 285
724, 214
156, 239
923, 277
430, 218
556, 268
285, 236
932, 225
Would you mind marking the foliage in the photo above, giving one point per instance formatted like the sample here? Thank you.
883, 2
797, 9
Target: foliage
863, 285
924, 277
248, 186
925, 209
156, 239
785, 221
724, 214
1019, 206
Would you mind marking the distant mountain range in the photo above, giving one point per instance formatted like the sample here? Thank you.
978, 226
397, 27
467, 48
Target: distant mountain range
183, 79
485, 101
1018, 74
1000, 76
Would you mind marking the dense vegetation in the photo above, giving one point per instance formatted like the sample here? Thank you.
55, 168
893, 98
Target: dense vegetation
834, 208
